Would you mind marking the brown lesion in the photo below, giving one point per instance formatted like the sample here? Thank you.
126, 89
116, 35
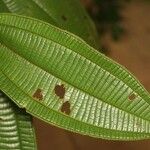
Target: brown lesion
132, 97
38, 94
65, 108
60, 91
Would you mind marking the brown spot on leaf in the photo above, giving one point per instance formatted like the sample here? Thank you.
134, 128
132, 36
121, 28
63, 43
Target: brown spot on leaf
65, 108
38, 94
64, 18
132, 96
60, 91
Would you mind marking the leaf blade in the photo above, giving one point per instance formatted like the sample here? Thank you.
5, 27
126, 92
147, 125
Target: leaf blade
16, 130
97, 88
68, 15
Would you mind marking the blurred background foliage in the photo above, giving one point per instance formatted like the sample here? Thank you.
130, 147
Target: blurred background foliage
107, 16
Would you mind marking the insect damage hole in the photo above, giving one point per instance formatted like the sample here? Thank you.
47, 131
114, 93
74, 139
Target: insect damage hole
38, 94
65, 108
132, 97
60, 91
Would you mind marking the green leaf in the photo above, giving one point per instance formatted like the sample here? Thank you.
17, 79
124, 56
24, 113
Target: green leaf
3, 7
16, 131
66, 14
60, 79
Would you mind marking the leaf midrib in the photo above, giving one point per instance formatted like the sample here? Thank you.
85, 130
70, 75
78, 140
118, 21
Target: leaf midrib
71, 84
36, 34
76, 53
67, 48
80, 41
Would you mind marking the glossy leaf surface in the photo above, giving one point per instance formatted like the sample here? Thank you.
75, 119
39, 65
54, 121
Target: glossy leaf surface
60, 79
16, 131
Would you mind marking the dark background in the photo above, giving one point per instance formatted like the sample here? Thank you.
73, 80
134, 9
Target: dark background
126, 39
